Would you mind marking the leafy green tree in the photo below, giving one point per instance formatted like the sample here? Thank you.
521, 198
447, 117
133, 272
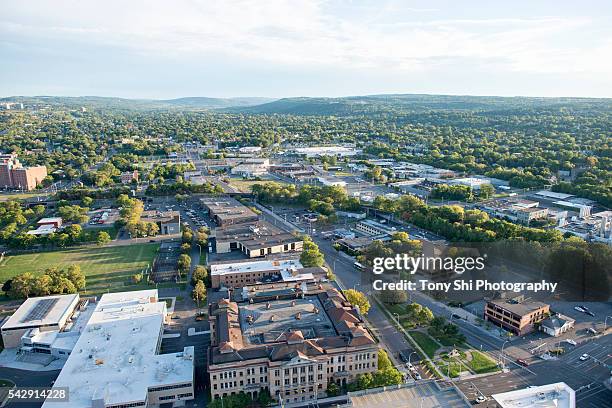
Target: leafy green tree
184, 263
311, 255
486, 191
333, 390
200, 273
103, 238
21, 286
87, 201
76, 276
384, 362
359, 299
41, 285
199, 292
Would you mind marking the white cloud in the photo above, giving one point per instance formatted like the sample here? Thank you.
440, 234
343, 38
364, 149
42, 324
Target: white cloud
311, 34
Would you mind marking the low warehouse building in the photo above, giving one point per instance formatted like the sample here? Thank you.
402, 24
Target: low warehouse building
49, 313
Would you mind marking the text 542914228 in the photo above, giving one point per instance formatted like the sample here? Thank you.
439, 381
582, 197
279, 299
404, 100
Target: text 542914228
35, 394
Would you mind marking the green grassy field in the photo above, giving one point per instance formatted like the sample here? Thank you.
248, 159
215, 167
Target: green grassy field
245, 185
481, 363
107, 268
428, 345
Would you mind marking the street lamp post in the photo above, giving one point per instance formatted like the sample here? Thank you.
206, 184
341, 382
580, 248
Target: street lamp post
502, 354
606, 323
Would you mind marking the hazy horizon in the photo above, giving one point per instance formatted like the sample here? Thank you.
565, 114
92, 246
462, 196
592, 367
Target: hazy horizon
312, 48
136, 98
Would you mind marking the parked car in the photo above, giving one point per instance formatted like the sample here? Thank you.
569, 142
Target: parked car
480, 399
578, 308
591, 330
570, 341
522, 362
417, 376
584, 357
590, 313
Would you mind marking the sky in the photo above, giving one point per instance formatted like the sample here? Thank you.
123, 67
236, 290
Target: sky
165, 49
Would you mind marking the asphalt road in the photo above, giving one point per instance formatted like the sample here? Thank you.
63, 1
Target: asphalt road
23, 378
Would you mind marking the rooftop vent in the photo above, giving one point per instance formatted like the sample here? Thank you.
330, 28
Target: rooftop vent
298, 316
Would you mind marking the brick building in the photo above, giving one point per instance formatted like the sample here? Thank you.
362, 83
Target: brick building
14, 176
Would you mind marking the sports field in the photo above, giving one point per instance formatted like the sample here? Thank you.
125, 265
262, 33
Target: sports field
106, 268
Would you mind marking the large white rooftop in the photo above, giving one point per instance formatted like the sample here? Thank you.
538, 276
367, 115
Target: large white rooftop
42, 311
327, 150
557, 395
553, 195
115, 358
255, 266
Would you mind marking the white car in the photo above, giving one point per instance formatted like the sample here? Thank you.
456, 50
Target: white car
480, 399
578, 308
584, 357
570, 341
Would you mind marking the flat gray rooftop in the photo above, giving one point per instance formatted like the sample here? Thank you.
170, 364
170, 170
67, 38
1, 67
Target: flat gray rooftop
269, 324
423, 394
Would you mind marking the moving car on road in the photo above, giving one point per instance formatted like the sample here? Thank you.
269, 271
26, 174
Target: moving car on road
584, 357
522, 362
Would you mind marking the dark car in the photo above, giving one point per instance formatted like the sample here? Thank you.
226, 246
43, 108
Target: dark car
456, 316
522, 362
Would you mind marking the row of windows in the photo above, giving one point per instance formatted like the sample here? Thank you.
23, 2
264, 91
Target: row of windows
169, 387
299, 391
233, 374
133, 404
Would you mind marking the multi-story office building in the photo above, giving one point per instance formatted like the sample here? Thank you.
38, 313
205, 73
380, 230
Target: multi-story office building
371, 227
526, 215
255, 239
237, 274
228, 211
516, 314
14, 176
291, 341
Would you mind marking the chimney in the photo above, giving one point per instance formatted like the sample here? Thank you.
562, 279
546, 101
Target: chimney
298, 316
